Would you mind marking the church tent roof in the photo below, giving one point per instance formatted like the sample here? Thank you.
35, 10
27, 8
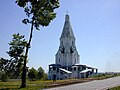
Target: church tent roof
67, 29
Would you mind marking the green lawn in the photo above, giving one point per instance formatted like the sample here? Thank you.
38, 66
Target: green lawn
37, 85
14, 85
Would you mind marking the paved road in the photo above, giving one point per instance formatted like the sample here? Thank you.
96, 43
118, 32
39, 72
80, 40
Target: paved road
93, 85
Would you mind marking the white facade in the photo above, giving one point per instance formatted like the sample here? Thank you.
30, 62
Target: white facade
67, 58
67, 54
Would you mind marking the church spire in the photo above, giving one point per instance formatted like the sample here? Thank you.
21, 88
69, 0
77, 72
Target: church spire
67, 29
67, 54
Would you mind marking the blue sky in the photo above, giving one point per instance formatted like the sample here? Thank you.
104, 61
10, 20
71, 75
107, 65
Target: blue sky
95, 23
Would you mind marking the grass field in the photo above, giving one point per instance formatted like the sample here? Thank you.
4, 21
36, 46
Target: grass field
31, 85
14, 85
37, 85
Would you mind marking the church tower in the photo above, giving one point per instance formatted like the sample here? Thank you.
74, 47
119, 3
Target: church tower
67, 54
67, 62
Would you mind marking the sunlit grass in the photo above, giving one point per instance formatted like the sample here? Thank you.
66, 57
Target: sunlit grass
9, 85
40, 84
31, 85
13, 85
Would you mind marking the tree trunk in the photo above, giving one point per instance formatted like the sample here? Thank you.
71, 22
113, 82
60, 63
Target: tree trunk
23, 84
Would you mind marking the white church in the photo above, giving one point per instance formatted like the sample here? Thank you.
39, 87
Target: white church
67, 60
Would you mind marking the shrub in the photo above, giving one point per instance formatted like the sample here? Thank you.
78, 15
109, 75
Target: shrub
4, 77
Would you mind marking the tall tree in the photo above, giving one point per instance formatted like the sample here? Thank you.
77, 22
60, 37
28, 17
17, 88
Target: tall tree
32, 74
16, 52
40, 73
39, 13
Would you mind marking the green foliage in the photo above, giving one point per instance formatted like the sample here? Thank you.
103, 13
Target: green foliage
115, 88
16, 52
3, 64
17, 46
101, 76
32, 74
45, 76
40, 73
39, 12
4, 77
4, 69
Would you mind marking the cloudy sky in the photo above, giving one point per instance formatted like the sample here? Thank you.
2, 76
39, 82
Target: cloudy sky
95, 23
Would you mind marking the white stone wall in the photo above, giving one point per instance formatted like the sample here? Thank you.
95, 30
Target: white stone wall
67, 54
67, 58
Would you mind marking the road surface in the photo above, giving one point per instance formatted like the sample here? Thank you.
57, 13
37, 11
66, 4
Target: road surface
93, 85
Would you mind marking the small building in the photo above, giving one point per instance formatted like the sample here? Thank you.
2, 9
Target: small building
67, 60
